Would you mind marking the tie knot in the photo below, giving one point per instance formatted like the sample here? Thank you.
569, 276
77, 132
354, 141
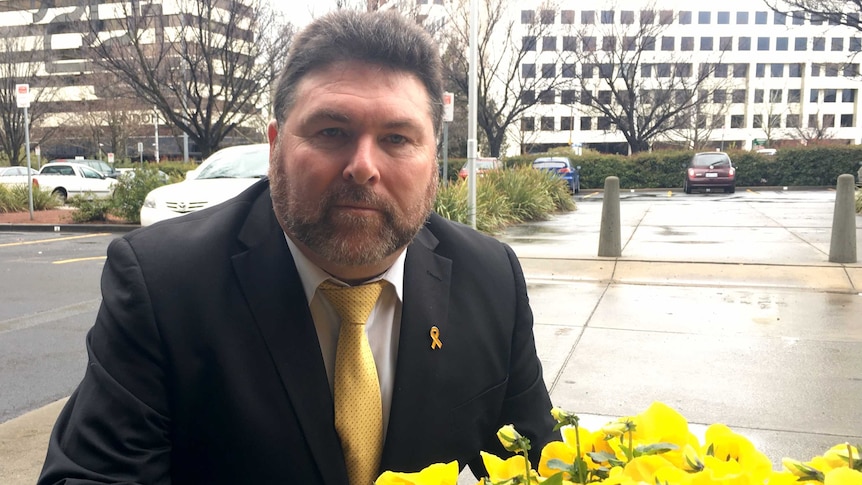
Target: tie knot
353, 303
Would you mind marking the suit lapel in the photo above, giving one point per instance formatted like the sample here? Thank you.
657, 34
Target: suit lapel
271, 283
426, 304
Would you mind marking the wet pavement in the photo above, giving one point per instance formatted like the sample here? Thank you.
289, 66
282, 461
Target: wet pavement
725, 307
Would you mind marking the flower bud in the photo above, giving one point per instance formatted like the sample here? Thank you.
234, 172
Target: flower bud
509, 437
616, 428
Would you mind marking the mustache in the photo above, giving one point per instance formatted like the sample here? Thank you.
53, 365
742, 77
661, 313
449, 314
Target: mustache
356, 194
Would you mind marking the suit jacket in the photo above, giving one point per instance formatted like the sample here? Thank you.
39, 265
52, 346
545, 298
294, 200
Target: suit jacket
204, 365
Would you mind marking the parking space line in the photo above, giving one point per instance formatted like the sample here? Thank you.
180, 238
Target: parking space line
78, 260
39, 241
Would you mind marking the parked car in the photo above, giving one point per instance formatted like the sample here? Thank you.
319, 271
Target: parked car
562, 167
130, 172
221, 176
104, 167
710, 170
483, 164
10, 176
66, 180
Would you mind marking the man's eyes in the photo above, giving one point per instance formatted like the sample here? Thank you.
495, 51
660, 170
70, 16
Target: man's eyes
394, 139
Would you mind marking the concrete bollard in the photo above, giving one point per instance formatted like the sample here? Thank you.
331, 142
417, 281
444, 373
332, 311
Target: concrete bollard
842, 248
610, 242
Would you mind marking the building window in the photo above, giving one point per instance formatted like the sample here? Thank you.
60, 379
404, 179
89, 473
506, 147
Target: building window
800, 44
567, 96
723, 18
547, 96
828, 121
818, 44
816, 19
586, 123
604, 97
604, 123
665, 17
792, 121
646, 70
566, 123
667, 43
830, 95
725, 44
549, 43
744, 44
648, 43
588, 17
757, 121
630, 43
570, 43
742, 18
846, 121
685, 17
758, 95
547, 17
851, 70
586, 98
547, 123
794, 95
719, 96
815, 70
775, 95
528, 97
718, 121
703, 18
775, 121
779, 18
763, 43
528, 16
568, 71
706, 43
738, 96
528, 124
814, 95
855, 44
812, 119
837, 44
549, 71
781, 44
682, 69
606, 70
589, 44
776, 70
567, 17
528, 70
760, 18
721, 70
647, 17
760, 70
686, 43
832, 69
608, 16
627, 17
740, 70
662, 69
737, 121
798, 17
609, 43
528, 43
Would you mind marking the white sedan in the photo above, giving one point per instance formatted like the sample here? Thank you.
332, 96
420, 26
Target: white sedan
223, 175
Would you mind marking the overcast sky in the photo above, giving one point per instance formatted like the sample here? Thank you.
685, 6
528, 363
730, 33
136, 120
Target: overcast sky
300, 12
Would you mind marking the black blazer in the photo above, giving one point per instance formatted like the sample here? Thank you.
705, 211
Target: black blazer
204, 365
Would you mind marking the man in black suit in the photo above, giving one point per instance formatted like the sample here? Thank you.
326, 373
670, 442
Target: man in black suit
212, 358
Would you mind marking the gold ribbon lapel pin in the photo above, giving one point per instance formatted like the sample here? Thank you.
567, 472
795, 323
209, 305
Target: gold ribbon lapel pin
435, 338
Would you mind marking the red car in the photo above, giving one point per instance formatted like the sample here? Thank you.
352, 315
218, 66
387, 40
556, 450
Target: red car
482, 166
710, 170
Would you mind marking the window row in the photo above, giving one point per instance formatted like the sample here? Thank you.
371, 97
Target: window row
718, 96
603, 123
685, 69
530, 43
685, 17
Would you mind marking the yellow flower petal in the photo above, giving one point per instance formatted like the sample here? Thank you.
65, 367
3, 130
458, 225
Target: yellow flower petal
436, 474
499, 469
843, 476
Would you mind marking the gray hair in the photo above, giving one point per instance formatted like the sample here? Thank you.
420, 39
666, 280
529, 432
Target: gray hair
384, 38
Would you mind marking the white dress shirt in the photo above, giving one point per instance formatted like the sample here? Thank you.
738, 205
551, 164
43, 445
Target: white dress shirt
382, 329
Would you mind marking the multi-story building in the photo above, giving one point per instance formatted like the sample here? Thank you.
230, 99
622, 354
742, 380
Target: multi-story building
769, 78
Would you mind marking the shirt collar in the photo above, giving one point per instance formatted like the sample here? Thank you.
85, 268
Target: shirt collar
311, 275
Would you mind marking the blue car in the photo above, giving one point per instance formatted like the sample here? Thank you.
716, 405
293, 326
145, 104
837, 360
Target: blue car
564, 168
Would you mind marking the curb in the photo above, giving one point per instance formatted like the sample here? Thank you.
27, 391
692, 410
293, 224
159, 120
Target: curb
113, 228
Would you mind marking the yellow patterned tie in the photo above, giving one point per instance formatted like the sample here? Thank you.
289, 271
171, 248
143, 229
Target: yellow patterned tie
358, 411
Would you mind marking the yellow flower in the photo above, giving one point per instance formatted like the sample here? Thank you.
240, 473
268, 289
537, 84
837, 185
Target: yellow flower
500, 470
652, 469
727, 445
839, 455
509, 437
436, 474
618, 427
843, 476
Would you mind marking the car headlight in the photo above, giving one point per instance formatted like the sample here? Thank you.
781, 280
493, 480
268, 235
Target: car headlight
150, 203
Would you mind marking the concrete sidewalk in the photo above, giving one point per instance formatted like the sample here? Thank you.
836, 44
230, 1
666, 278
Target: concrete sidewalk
725, 308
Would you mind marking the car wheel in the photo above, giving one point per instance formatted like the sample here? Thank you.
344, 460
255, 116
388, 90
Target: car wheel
730, 189
61, 195
685, 187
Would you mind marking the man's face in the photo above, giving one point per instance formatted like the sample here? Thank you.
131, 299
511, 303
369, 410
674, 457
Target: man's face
353, 170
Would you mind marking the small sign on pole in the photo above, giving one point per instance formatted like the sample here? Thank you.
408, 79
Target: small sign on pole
111, 158
448, 107
22, 95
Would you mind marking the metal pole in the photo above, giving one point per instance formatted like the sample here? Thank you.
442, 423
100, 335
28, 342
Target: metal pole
156, 125
29, 166
445, 153
472, 114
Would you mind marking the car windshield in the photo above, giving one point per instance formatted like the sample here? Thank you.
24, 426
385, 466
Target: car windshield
548, 164
249, 163
485, 164
710, 159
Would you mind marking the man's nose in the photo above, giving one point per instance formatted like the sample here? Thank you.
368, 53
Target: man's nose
362, 167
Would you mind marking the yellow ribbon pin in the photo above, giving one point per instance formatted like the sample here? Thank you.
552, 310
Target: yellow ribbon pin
435, 341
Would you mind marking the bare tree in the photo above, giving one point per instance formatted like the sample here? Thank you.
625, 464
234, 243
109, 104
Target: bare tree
634, 90
506, 89
207, 70
816, 132
836, 12
21, 56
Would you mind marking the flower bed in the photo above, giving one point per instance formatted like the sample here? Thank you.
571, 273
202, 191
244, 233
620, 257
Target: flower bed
653, 447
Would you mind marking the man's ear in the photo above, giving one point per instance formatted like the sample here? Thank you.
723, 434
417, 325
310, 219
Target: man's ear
272, 133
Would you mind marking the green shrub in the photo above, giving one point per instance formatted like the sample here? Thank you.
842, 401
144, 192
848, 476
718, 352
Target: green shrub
859, 201
129, 193
15, 198
89, 208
